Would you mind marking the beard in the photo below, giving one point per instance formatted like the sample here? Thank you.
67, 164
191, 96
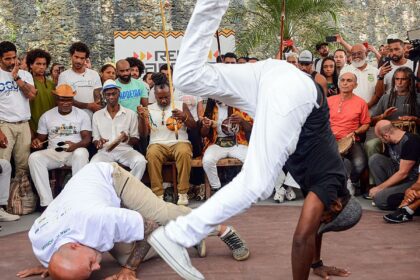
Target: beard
359, 63
125, 79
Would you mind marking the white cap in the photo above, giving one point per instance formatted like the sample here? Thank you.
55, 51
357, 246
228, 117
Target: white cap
109, 84
306, 57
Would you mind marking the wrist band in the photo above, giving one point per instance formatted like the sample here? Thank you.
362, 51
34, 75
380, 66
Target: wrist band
317, 264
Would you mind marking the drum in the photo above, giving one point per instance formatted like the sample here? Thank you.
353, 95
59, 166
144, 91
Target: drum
408, 126
344, 145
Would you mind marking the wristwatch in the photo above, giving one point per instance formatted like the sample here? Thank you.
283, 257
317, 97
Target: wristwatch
16, 79
380, 78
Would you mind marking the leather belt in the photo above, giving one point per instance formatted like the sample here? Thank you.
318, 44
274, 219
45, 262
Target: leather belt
19, 122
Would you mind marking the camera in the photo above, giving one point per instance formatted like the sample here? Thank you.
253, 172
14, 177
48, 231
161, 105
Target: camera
414, 38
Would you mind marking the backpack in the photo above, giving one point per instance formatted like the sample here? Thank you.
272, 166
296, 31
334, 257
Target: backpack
22, 200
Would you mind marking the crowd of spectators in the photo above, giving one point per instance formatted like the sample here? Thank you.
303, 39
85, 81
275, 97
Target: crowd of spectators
51, 117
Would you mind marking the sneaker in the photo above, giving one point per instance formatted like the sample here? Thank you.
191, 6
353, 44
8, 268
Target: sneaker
240, 251
399, 216
182, 199
350, 187
290, 194
6, 217
201, 249
174, 255
279, 195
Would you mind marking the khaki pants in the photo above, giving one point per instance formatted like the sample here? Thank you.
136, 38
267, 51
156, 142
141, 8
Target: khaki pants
157, 154
136, 196
19, 144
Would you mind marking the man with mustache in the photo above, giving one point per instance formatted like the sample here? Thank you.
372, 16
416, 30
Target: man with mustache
16, 90
86, 82
366, 74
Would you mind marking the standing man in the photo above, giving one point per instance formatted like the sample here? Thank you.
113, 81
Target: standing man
86, 82
306, 65
366, 74
5, 173
111, 123
133, 92
16, 90
340, 58
68, 130
38, 61
323, 51
300, 138
386, 72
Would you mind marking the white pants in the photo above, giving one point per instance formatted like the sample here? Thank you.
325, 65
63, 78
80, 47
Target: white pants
42, 161
279, 97
5, 181
130, 158
214, 153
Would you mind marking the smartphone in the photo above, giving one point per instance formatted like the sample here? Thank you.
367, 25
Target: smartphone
288, 43
387, 60
366, 44
331, 39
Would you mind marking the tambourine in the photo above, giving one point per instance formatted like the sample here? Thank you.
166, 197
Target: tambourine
344, 145
170, 123
228, 128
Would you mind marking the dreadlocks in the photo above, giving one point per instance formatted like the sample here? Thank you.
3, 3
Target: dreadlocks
411, 98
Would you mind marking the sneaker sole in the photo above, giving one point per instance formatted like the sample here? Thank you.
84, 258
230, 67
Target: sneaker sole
394, 221
242, 258
167, 257
202, 250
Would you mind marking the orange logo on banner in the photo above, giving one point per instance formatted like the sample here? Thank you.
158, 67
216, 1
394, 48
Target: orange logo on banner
142, 56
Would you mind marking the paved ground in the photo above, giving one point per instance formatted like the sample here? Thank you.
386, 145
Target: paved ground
372, 250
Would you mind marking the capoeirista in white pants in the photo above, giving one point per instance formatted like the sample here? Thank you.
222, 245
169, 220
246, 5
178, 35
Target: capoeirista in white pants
5, 181
276, 94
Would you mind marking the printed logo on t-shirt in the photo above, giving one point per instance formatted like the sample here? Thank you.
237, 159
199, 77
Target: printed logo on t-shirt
64, 129
371, 78
8, 87
130, 94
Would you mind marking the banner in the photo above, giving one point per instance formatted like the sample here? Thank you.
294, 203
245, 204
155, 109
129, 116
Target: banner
149, 46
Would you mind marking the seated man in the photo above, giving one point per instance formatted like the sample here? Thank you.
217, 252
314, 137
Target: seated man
349, 117
68, 130
402, 104
115, 132
409, 204
159, 122
86, 219
226, 131
5, 173
395, 173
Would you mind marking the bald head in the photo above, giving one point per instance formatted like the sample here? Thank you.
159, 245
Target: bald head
383, 127
358, 55
123, 71
73, 261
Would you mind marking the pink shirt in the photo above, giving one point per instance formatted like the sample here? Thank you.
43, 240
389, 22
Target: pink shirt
348, 116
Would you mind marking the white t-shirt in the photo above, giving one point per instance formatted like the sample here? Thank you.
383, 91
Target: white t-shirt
14, 106
107, 128
88, 212
63, 127
366, 80
390, 74
83, 84
222, 114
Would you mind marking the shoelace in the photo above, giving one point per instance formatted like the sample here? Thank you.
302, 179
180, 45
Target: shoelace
233, 241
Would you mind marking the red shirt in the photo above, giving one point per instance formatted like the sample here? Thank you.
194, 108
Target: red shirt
348, 117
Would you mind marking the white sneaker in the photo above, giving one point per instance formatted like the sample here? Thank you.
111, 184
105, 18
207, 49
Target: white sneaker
350, 187
290, 194
6, 217
182, 199
279, 195
174, 255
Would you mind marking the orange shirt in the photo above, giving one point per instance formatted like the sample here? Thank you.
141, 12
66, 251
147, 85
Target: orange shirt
353, 113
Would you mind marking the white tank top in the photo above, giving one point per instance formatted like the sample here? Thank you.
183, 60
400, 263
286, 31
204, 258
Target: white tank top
159, 133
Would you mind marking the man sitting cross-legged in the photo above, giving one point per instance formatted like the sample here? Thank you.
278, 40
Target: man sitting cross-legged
114, 123
102, 206
68, 130
409, 204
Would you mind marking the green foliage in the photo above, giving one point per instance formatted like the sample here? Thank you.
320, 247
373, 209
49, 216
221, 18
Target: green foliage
307, 22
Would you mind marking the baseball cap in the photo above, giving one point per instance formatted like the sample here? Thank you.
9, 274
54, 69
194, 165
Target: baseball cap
347, 218
109, 84
305, 57
392, 38
64, 90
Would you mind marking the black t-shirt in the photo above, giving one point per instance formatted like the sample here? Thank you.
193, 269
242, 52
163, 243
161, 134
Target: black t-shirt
407, 149
316, 164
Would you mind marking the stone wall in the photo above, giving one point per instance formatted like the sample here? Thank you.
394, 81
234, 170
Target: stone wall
55, 24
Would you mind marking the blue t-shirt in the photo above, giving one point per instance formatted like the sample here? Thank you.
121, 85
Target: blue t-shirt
131, 94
